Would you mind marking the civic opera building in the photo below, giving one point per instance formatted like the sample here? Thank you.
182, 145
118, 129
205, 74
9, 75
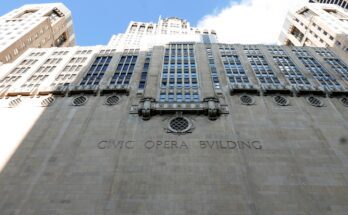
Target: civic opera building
184, 127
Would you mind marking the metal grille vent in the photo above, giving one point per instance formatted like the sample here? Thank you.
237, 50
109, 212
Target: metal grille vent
246, 100
47, 101
281, 100
314, 101
344, 101
179, 125
79, 101
112, 100
14, 102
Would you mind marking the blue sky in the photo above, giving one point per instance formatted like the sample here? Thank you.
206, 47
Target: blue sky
95, 21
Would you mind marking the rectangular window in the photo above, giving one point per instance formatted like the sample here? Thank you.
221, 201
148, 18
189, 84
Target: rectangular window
182, 74
261, 68
339, 67
290, 71
16, 74
317, 70
233, 67
213, 71
124, 70
96, 71
287, 67
37, 78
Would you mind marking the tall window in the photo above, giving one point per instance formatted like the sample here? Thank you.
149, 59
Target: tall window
206, 39
290, 71
317, 70
260, 66
336, 64
339, 67
124, 70
213, 70
287, 67
144, 73
97, 71
179, 79
233, 66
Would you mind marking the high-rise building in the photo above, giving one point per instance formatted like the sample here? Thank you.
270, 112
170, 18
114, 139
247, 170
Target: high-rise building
341, 3
183, 128
166, 120
35, 26
144, 35
317, 25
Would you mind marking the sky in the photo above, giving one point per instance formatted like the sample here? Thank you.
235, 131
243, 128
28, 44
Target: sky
236, 21
250, 21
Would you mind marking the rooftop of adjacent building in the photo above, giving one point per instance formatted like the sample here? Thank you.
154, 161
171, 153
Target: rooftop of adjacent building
33, 25
326, 24
36, 10
22, 20
341, 3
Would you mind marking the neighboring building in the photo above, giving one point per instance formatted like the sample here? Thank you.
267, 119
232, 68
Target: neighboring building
341, 3
317, 25
184, 128
144, 35
35, 26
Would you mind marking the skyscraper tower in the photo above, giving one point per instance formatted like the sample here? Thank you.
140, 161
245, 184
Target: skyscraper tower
172, 29
35, 26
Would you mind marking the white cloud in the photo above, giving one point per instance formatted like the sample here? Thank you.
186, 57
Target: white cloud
250, 21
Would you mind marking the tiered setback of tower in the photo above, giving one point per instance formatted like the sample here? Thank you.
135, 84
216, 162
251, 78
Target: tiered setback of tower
147, 34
